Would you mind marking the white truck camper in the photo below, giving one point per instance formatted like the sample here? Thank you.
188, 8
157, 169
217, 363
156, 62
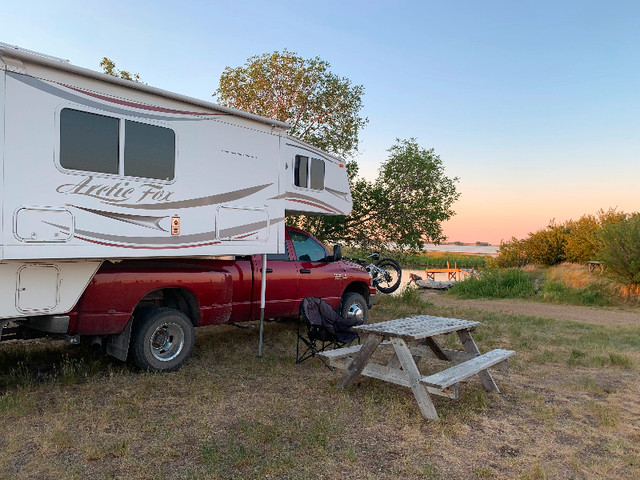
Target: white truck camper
99, 168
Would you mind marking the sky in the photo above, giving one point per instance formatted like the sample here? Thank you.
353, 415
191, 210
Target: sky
534, 106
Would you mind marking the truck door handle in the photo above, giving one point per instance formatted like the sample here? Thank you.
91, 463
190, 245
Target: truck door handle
269, 270
305, 270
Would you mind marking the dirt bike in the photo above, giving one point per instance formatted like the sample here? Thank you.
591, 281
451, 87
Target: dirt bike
386, 273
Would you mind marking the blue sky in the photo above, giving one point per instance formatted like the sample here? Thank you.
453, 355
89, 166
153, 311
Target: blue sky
535, 106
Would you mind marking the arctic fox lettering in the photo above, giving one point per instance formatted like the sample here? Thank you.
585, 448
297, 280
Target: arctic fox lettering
118, 192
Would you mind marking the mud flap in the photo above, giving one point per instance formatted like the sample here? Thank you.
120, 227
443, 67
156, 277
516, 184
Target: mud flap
118, 345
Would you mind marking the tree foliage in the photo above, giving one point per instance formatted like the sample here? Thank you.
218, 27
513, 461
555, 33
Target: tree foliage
403, 207
573, 241
619, 249
109, 67
322, 108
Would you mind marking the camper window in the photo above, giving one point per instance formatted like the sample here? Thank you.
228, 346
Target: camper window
149, 151
309, 176
92, 143
317, 174
88, 142
301, 171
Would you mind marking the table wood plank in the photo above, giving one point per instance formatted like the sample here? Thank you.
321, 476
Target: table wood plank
418, 327
411, 370
360, 360
470, 347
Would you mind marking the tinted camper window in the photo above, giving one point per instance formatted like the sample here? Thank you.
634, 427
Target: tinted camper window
92, 143
89, 142
317, 174
149, 151
301, 171
309, 173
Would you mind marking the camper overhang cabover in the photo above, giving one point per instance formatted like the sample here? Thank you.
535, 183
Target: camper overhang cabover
95, 167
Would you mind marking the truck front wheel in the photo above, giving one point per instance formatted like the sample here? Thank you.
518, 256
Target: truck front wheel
353, 305
162, 339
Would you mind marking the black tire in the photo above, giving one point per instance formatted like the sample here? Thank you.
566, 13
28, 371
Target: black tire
390, 281
162, 339
354, 304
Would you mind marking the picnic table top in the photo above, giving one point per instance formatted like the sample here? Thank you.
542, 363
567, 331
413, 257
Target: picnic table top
418, 327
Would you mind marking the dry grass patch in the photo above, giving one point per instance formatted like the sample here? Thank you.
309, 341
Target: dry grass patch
227, 415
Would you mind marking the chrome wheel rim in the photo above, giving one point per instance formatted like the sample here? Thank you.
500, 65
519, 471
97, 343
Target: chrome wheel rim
355, 312
166, 341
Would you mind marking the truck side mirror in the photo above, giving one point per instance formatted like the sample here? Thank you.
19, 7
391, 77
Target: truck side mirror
337, 253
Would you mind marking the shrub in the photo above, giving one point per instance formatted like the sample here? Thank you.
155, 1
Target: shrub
547, 247
619, 250
572, 241
510, 254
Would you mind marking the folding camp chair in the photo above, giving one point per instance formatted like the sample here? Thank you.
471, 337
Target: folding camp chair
325, 329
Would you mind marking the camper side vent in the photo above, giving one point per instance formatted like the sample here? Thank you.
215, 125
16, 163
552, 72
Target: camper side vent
43, 225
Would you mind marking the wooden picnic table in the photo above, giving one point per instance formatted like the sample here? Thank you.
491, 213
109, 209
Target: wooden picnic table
411, 339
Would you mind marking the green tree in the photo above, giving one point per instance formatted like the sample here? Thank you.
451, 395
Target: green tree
411, 196
619, 250
322, 108
404, 207
109, 67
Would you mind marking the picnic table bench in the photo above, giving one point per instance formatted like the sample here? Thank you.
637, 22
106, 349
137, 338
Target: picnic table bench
411, 339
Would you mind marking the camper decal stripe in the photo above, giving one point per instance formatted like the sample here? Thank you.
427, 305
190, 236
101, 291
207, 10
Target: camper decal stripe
337, 193
311, 204
72, 97
140, 220
141, 106
299, 198
145, 247
182, 241
242, 229
196, 202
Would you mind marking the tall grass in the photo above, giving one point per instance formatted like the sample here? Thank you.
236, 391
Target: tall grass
511, 283
564, 284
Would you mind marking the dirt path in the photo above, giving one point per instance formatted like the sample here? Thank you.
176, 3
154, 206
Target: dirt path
600, 316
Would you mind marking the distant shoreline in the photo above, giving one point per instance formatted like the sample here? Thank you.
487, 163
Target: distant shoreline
491, 250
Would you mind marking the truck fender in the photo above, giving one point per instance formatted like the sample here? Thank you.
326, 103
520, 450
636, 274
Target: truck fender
118, 345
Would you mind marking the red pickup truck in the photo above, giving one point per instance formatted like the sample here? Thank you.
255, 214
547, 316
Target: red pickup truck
147, 309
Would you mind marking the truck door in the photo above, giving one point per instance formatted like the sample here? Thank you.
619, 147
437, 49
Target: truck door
281, 294
318, 275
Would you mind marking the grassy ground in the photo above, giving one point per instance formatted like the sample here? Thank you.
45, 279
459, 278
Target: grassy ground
568, 409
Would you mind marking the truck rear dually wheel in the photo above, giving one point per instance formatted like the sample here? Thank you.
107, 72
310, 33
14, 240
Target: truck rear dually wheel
162, 339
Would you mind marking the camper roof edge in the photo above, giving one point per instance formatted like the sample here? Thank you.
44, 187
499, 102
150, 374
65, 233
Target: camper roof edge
19, 53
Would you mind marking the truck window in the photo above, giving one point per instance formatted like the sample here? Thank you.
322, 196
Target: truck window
309, 173
92, 143
279, 256
306, 248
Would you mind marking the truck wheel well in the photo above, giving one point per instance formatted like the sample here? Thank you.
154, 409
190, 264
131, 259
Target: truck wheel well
176, 298
357, 287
